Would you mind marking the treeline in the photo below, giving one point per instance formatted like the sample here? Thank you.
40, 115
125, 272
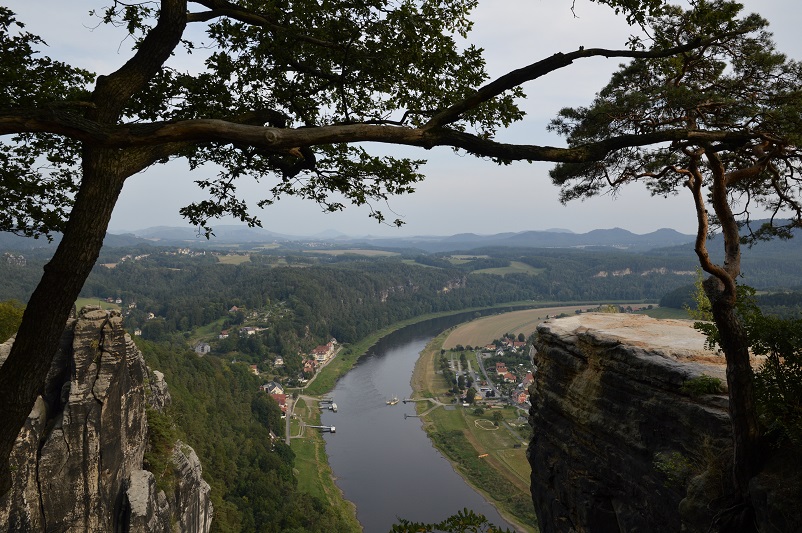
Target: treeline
302, 300
785, 304
301, 306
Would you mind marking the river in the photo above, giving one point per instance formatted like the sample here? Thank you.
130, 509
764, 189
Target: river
383, 462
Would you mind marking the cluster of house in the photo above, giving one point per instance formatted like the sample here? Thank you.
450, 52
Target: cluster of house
504, 374
506, 344
320, 356
246, 330
15, 260
521, 395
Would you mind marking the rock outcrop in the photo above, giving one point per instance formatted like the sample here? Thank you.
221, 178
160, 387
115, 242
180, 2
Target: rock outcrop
619, 445
615, 439
78, 464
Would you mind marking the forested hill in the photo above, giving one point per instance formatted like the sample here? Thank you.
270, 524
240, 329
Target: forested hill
244, 237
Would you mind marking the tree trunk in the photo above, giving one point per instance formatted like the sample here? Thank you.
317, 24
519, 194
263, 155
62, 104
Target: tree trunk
23, 374
740, 385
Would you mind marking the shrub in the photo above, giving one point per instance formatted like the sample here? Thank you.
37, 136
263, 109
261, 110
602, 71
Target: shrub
162, 436
676, 467
778, 382
701, 385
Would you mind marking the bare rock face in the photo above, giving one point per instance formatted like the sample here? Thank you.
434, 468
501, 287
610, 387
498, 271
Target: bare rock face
78, 462
615, 440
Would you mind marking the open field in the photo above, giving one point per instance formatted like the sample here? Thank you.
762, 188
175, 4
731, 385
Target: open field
368, 253
80, 302
312, 465
516, 267
233, 259
484, 330
413, 262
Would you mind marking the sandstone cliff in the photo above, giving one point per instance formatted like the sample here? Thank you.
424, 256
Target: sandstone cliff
608, 413
78, 462
619, 446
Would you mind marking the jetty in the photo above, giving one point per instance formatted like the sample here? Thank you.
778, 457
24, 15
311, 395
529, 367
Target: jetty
330, 429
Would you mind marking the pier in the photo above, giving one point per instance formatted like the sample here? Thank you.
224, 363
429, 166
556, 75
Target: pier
330, 429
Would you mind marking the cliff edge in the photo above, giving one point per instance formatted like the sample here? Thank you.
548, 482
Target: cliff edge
620, 446
79, 462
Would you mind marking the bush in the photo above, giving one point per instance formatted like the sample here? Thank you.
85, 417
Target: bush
701, 385
676, 467
10, 318
162, 436
778, 382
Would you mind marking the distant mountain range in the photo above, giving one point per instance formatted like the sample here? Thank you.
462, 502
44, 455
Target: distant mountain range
245, 237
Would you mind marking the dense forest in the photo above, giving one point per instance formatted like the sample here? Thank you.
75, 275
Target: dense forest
220, 411
300, 299
347, 297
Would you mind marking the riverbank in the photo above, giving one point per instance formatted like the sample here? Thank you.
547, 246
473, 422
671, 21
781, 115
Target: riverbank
312, 464
327, 377
315, 476
492, 459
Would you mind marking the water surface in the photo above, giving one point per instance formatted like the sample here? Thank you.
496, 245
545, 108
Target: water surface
384, 463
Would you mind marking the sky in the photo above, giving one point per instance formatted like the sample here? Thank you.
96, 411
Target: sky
461, 194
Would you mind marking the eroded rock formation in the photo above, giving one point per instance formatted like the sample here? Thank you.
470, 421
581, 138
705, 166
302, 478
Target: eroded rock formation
619, 445
615, 437
78, 462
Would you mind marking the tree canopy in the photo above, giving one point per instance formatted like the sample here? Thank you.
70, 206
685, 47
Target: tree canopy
742, 86
286, 92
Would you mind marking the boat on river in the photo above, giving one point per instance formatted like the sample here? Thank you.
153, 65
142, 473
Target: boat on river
392, 401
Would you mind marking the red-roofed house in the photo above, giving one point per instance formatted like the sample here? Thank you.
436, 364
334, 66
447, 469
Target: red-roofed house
323, 352
281, 400
501, 368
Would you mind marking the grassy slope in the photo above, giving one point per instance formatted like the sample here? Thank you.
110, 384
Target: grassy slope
503, 475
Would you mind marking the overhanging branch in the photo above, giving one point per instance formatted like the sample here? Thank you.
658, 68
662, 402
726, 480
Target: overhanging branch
557, 61
65, 123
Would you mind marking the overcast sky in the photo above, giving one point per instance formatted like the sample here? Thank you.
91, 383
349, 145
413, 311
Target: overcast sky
461, 193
